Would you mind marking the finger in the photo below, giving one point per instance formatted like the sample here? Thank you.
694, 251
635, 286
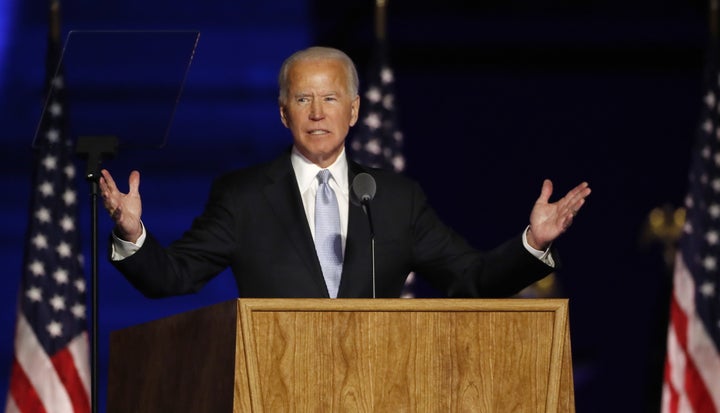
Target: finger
546, 191
575, 197
107, 180
580, 191
134, 183
575, 207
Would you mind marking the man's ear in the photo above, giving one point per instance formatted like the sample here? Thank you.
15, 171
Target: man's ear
283, 117
354, 110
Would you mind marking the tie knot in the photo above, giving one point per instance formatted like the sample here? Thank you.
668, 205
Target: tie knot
324, 176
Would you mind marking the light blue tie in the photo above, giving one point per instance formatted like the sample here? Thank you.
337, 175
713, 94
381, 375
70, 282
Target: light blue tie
327, 233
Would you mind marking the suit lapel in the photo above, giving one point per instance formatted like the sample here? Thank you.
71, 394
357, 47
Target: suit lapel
357, 269
284, 198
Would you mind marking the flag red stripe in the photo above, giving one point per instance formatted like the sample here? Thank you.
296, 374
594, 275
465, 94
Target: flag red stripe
65, 367
23, 392
674, 397
694, 386
679, 321
698, 394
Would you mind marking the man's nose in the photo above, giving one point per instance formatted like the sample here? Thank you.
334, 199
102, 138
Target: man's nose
316, 110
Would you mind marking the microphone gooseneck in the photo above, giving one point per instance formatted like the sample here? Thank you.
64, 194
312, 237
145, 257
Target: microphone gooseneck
364, 188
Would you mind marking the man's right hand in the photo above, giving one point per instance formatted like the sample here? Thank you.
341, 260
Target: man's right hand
124, 209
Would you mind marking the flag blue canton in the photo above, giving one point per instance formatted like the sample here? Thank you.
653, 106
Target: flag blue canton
700, 244
53, 283
377, 139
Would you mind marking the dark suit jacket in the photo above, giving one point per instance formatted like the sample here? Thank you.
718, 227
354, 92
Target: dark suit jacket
255, 223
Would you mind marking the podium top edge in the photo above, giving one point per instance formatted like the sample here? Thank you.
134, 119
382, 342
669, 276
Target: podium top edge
403, 304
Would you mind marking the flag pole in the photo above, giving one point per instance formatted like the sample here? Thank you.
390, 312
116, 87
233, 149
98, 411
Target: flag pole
713, 18
380, 19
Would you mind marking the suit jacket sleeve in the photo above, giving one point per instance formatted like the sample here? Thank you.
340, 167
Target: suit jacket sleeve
190, 262
438, 254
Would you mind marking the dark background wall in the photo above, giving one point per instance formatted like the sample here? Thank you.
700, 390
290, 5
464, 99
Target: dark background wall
493, 97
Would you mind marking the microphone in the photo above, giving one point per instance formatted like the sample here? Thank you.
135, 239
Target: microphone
363, 187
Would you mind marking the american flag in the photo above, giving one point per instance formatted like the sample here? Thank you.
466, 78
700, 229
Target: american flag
50, 370
377, 141
692, 365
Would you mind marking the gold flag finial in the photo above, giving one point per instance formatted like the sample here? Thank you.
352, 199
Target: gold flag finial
380, 19
55, 20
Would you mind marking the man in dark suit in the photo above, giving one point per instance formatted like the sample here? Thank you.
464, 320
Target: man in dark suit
262, 222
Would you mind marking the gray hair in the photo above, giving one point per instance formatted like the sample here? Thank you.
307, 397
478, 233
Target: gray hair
318, 53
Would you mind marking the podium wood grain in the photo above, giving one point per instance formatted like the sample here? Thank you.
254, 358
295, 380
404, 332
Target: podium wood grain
322, 355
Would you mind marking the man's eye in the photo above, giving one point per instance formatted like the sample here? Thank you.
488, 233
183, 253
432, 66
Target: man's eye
302, 100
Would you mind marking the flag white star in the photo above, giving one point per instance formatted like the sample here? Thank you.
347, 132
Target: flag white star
398, 163
50, 162
34, 294
55, 329
37, 268
69, 196
80, 285
55, 109
52, 135
716, 184
710, 263
43, 215
711, 237
61, 276
69, 171
57, 303
46, 188
707, 126
372, 121
64, 250
373, 146
386, 75
78, 310
714, 210
58, 82
705, 152
388, 102
373, 94
710, 99
687, 228
40, 241
707, 289
67, 224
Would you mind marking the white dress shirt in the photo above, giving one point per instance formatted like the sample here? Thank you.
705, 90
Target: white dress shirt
306, 175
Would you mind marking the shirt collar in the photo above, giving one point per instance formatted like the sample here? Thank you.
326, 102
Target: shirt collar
306, 171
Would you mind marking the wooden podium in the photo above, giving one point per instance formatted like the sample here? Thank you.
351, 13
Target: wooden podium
347, 355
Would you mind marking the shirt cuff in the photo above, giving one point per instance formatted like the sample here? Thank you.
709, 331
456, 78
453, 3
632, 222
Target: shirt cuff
544, 256
121, 249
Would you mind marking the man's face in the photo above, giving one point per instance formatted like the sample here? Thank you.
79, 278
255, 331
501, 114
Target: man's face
319, 110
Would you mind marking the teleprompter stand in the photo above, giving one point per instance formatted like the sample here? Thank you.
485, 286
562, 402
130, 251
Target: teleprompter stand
121, 90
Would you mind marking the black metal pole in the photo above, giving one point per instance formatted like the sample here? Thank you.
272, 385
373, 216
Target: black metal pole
95, 289
95, 149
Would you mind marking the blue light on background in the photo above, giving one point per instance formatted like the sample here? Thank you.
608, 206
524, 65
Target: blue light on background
499, 96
